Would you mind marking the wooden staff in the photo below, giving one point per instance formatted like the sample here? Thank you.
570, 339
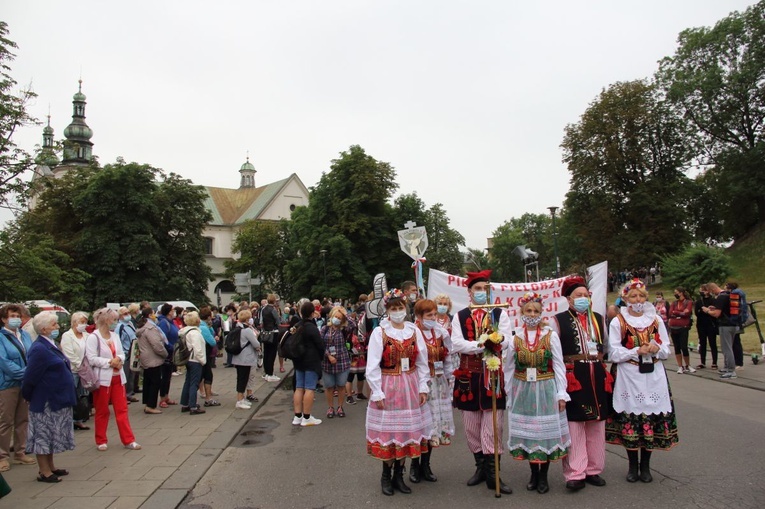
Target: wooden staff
492, 378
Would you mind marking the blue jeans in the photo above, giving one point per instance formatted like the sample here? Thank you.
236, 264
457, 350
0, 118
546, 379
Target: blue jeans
191, 384
306, 380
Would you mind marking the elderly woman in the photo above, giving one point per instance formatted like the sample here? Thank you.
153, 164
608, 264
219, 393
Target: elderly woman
13, 362
197, 360
49, 388
336, 361
105, 355
73, 346
644, 417
246, 359
153, 352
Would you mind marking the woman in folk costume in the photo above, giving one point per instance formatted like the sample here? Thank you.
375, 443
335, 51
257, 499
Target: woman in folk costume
535, 382
644, 417
398, 423
439, 345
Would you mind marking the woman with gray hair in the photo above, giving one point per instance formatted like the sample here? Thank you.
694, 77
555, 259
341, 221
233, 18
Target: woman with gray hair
49, 388
73, 346
195, 344
105, 355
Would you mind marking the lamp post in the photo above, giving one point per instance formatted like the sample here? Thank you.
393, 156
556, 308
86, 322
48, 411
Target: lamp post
555, 241
323, 253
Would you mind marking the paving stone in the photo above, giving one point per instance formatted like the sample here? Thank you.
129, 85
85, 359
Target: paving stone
128, 502
163, 499
82, 503
129, 488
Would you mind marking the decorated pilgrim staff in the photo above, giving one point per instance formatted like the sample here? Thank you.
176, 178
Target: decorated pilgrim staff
439, 345
589, 385
472, 389
644, 417
535, 382
398, 423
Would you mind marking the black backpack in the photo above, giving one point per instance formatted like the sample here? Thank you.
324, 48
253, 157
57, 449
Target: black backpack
291, 346
233, 343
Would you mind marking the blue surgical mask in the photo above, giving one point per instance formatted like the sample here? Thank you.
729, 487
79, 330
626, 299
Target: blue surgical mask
581, 304
112, 326
479, 297
429, 324
125, 319
336, 321
14, 323
54, 334
442, 309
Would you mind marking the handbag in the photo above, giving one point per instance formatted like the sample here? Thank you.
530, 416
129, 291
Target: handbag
88, 378
135, 357
81, 410
268, 337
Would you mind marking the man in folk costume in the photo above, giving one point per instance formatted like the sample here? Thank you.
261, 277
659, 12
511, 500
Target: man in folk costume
471, 395
590, 385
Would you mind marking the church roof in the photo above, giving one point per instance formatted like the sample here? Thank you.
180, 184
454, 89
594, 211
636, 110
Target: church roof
234, 206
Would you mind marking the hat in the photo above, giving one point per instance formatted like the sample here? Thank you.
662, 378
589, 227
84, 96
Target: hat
571, 284
633, 284
477, 277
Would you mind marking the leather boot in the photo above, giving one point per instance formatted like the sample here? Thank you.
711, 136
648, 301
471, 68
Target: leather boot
632, 473
488, 465
480, 473
385, 480
534, 480
415, 471
645, 466
398, 478
425, 470
542, 486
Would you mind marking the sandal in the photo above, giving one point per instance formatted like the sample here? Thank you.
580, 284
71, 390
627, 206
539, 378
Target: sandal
713, 366
52, 478
700, 366
340, 412
133, 446
212, 402
151, 411
171, 402
82, 427
330, 413
60, 472
102, 447
162, 404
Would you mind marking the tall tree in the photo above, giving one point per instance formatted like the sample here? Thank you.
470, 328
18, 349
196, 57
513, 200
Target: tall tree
14, 161
344, 236
264, 250
716, 81
627, 156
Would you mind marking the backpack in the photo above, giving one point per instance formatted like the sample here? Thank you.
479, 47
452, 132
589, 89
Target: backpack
181, 352
739, 310
233, 343
291, 346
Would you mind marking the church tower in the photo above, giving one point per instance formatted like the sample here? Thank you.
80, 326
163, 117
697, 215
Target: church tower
78, 149
247, 171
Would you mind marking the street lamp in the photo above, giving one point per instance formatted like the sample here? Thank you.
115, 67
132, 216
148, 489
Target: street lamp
555, 241
323, 253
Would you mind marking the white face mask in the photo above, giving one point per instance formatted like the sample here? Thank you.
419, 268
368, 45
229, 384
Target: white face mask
336, 321
637, 307
397, 316
81, 328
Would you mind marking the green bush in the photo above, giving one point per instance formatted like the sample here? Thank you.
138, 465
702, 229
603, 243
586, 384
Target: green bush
696, 265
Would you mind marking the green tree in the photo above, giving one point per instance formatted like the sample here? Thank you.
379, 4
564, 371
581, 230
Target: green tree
696, 265
531, 230
264, 250
350, 219
629, 193
716, 81
14, 161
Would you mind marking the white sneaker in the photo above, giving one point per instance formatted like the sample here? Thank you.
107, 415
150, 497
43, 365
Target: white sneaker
689, 369
311, 421
271, 378
243, 404
679, 371
296, 421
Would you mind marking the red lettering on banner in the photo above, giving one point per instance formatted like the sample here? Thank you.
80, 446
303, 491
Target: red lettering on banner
556, 294
502, 288
552, 307
497, 301
534, 287
451, 279
509, 300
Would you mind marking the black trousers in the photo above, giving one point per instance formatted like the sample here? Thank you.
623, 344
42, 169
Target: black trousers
738, 350
152, 380
207, 369
242, 377
707, 336
269, 357
167, 375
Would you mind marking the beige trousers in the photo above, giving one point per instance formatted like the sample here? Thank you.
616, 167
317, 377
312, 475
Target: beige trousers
14, 416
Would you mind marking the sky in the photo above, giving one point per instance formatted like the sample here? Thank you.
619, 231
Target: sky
467, 100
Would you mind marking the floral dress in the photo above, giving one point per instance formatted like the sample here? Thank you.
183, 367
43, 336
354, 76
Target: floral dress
535, 378
438, 344
397, 372
644, 411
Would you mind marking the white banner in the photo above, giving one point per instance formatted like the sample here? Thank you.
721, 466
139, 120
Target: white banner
550, 290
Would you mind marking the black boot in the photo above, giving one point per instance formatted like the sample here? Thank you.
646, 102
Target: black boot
488, 465
426, 472
398, 478
415, 471
480, 473
534, 480
543, 487
632, 474
645, 466
387, 487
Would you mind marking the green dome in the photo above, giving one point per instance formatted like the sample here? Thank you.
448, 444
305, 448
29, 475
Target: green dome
79, 96
48, 129
78, 131
247, 166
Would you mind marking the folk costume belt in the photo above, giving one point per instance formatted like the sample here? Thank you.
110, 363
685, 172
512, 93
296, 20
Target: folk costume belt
541, 375
472, 363
569, 359
396, 370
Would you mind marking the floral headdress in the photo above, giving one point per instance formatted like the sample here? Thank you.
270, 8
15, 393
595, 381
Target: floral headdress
529, 297
635, 284
393, 293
